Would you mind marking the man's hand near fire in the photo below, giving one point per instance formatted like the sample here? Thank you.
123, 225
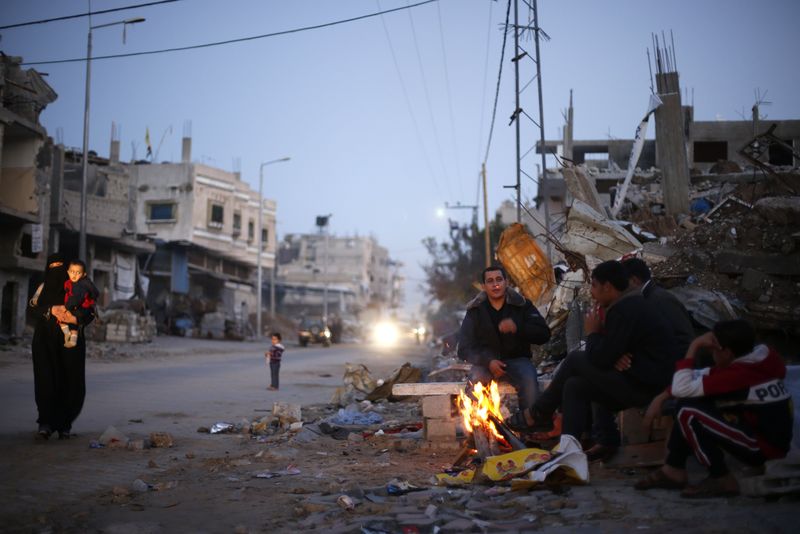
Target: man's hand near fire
624, 362
497, 368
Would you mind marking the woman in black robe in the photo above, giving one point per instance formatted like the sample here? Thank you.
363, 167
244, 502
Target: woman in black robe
58, 372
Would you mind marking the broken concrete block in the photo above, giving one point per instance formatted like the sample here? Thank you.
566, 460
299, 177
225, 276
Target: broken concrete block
631, 427
779, 210
161, 440
286, 412
753, 280
735, 262
439, 429
437, 406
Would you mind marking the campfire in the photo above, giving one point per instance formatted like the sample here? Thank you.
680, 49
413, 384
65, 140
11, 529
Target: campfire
480, 411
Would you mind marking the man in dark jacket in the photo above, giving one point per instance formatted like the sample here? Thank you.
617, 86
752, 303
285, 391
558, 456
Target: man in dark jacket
628, 359
604, 426
496, 336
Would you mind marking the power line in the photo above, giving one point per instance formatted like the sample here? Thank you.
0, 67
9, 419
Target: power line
449, 101
87, 14
499, 76
230, 41
410, 107
439, 150
485, 77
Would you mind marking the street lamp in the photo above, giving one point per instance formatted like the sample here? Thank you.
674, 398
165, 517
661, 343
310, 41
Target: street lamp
85, 159
260, 250
322, 223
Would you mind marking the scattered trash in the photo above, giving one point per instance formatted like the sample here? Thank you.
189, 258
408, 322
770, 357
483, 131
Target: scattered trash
113, 438
289, 471
345, 502
161, 440
140, 486
400, 487
222, 428
351, 415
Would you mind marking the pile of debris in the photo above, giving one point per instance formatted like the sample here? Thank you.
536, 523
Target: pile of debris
123, 322
736, 255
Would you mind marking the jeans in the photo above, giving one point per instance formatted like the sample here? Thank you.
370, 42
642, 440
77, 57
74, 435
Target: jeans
520, 373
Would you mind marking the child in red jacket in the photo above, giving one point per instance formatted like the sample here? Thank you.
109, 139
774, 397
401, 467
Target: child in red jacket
739, 405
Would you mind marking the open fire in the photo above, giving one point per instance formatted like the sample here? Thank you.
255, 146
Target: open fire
481, 409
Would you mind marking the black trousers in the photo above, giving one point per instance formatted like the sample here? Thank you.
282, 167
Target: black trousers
274, 372
703, 430
577, 383
59, 376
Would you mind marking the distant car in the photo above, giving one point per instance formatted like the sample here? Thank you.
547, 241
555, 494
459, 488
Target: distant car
313, 332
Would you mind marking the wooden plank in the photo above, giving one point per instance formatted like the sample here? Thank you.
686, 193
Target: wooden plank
438, 388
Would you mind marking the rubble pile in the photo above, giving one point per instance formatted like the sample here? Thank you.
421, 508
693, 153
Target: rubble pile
746, 248
122, 326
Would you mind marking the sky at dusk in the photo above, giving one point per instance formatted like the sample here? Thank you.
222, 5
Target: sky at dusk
387, 118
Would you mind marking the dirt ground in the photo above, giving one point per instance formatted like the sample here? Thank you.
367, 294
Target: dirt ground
307, 480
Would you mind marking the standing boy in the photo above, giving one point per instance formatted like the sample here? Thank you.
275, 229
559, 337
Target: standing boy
274, 355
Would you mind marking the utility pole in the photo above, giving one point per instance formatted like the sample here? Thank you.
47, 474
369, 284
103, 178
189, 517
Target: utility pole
486, 238
322, 224
543, 192
517, 110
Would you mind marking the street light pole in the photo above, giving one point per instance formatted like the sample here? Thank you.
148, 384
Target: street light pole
260, 250
85, 157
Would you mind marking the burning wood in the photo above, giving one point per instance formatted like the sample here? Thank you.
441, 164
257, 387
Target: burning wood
480, 411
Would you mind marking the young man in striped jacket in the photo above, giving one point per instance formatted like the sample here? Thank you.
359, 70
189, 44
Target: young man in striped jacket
739, 405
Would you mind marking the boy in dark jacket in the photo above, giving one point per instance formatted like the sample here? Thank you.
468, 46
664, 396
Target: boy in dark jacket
274, 355
740, 404
80, 296
496, 336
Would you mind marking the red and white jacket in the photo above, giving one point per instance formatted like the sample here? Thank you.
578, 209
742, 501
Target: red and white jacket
752, 387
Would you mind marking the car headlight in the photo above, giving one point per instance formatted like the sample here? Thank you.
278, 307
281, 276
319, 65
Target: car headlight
385, 334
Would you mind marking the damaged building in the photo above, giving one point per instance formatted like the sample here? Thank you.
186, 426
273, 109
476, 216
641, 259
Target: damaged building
204, 222
25, 163
358, 273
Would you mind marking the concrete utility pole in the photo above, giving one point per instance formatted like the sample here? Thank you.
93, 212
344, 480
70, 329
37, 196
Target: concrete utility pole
259, 275
543, 191
322, 223
86, 107
486, 236
670, 138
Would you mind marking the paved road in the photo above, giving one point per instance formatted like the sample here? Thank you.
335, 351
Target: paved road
194, 382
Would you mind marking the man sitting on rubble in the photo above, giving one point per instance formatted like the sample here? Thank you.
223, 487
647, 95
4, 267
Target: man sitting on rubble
604, 426
740, 404
496, 336
628, 359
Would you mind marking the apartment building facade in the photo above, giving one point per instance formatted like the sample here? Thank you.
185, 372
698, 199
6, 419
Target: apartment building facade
205, 224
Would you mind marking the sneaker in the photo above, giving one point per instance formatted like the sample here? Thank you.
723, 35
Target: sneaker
44, 433
272, 388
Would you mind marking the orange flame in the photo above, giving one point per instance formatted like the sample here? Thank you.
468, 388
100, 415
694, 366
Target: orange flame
475, 410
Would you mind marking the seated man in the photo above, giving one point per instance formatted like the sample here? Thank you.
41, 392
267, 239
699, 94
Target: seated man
604, 427
739, 404
496, 336
627, 361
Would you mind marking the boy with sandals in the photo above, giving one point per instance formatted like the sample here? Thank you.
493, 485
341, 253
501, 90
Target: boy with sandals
738, 405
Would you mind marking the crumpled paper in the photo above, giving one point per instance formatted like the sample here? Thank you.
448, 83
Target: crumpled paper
528, 467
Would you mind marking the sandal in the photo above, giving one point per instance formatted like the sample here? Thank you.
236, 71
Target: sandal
658, 480
726, 486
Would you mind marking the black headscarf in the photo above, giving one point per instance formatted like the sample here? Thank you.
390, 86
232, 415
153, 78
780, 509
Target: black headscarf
54, 278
